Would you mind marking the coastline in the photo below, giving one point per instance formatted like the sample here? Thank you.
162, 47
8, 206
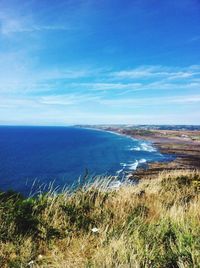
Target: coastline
183, 144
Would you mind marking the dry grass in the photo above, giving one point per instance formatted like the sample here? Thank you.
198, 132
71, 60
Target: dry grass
152, 224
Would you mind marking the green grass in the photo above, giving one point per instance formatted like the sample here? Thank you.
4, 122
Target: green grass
154, 224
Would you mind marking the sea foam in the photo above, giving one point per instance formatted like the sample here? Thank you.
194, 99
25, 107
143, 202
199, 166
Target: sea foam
144, 147
147, 147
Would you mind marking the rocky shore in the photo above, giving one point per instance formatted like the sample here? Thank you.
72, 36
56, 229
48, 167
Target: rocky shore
184, 144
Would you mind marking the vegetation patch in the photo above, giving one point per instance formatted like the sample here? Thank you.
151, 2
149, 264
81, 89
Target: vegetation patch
96, 226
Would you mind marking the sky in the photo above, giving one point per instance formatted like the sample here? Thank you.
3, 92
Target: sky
99, 62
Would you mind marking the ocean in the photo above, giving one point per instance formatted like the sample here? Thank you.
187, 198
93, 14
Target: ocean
32, 157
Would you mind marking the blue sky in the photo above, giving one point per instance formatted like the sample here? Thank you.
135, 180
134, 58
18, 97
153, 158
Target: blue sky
106, 61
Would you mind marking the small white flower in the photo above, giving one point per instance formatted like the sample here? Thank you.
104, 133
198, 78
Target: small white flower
40, 257
31, 263
95, 230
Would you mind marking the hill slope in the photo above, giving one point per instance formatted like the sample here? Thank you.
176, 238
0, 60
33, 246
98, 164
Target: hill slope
152, 224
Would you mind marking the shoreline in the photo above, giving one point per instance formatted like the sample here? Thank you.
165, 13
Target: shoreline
131, 174
183, 144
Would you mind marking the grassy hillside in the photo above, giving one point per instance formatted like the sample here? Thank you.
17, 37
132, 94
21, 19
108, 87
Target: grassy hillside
153, 224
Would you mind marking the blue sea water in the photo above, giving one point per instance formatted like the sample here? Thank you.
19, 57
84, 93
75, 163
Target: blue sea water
63, 154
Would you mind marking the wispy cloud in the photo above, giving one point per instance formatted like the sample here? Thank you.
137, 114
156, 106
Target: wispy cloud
194, 39
159, 101
64, 59
19, 75
137, 73
109, 86
11, 24
147, 72
68, 99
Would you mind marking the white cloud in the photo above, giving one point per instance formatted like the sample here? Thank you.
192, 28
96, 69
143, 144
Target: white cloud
156, 72
107, 86
141, 102
68, 99
11, 24
19, 74
137, 73
186, 99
